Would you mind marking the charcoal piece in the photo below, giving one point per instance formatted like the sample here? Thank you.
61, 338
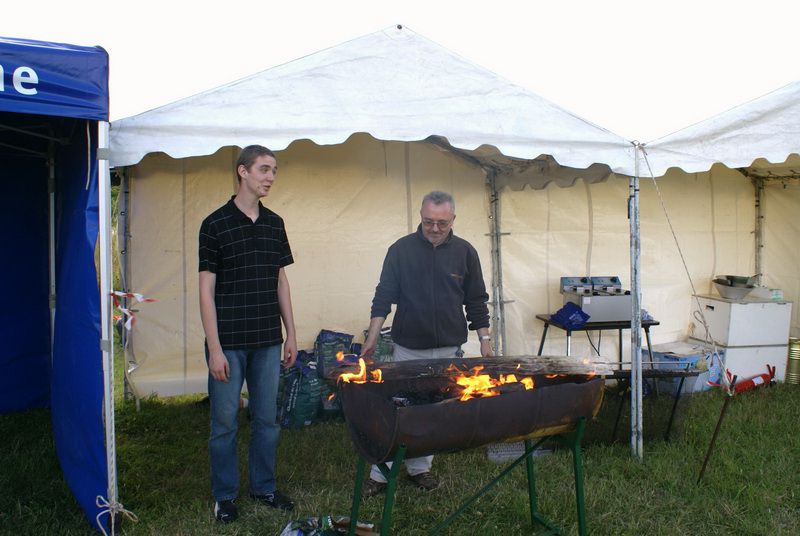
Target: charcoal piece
509, 388
401, 401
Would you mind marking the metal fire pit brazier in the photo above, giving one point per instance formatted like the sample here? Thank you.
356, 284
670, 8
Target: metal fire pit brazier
436, 421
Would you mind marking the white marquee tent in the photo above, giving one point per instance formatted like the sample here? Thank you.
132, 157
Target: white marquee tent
362, 131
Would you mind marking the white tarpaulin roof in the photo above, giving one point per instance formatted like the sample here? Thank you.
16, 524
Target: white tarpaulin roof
393, 84
767, 127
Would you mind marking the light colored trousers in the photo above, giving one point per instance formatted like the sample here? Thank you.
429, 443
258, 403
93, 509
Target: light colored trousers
415, 466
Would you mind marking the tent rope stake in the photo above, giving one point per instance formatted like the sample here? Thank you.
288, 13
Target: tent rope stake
113, 509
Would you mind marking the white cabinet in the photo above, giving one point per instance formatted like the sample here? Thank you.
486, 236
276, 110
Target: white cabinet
752, 332
742, 322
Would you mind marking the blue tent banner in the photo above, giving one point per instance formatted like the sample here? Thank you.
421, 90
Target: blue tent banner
53, 79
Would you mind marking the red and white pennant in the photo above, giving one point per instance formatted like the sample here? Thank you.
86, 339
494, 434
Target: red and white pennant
116, 294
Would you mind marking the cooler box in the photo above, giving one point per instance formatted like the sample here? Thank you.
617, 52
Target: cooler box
745, 322
687, 355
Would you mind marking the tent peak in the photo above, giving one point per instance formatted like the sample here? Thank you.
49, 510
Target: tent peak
394, 84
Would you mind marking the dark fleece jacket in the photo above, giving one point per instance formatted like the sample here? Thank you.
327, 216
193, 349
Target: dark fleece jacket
433, 287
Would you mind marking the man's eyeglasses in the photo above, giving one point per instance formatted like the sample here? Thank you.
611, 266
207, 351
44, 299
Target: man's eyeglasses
441, 224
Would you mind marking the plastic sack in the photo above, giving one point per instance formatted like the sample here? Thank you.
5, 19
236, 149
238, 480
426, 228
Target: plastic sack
570, 316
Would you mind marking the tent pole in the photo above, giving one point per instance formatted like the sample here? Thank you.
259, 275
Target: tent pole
107, 334
122, 254
636, 312
758, 183
498, 303
51, 192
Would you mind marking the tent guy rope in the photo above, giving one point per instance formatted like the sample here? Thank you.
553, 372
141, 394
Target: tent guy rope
698, 315
112, 509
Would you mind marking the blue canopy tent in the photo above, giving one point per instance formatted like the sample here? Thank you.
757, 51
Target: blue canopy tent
56, 346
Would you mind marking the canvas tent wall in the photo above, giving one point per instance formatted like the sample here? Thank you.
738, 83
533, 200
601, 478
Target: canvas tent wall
53, 201
344, 204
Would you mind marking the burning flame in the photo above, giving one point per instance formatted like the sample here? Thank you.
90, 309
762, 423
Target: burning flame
483, 385
339, 356
374, 375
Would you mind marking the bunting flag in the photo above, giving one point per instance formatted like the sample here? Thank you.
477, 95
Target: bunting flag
131, 318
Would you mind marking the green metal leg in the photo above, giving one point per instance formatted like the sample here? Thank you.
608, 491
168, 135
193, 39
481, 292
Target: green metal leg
573, 441
578, 470
356, 496
536, 516
466, 504
391, 487
532, 498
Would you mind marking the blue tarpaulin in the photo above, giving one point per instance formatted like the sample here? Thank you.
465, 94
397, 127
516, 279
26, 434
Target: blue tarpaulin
51, 98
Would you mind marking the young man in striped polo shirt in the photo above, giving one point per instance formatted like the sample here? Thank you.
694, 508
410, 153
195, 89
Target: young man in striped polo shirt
244, 303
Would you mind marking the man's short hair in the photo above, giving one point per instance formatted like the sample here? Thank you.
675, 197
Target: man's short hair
248, 156
437, 198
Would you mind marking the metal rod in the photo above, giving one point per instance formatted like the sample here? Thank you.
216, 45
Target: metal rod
674, 407
356, 496
528, 452
533, 501
577, 464
621, 393
728, 398
391, 487
23, 149
758, 183
650, 353
637, 447
51, 190
498, 327
544, 336
569, 342
122, 252
62, 141
107, 333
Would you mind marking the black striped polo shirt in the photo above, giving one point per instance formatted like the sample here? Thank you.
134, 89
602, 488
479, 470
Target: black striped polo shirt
246, 257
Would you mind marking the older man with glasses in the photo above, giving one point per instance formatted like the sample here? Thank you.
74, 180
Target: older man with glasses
435, 279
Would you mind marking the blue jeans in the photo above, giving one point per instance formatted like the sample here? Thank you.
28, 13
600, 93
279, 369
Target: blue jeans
261, 369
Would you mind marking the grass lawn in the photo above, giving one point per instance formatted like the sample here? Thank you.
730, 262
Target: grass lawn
751, 486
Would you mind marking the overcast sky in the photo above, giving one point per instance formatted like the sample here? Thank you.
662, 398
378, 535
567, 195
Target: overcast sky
640, 69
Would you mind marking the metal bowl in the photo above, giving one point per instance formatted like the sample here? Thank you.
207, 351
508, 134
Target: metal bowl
738, 280
732, 293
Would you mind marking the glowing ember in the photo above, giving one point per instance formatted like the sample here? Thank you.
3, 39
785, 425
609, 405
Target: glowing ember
361, 377
483, 385
340, 356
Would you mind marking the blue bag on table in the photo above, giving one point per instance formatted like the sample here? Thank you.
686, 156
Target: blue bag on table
570, 316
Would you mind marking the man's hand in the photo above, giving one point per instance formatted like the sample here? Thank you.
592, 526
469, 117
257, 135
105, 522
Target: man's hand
218, 366
486, 349
289, 352
368, 348
374, 331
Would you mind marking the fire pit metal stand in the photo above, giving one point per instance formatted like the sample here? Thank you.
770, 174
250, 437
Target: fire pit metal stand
571, 440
